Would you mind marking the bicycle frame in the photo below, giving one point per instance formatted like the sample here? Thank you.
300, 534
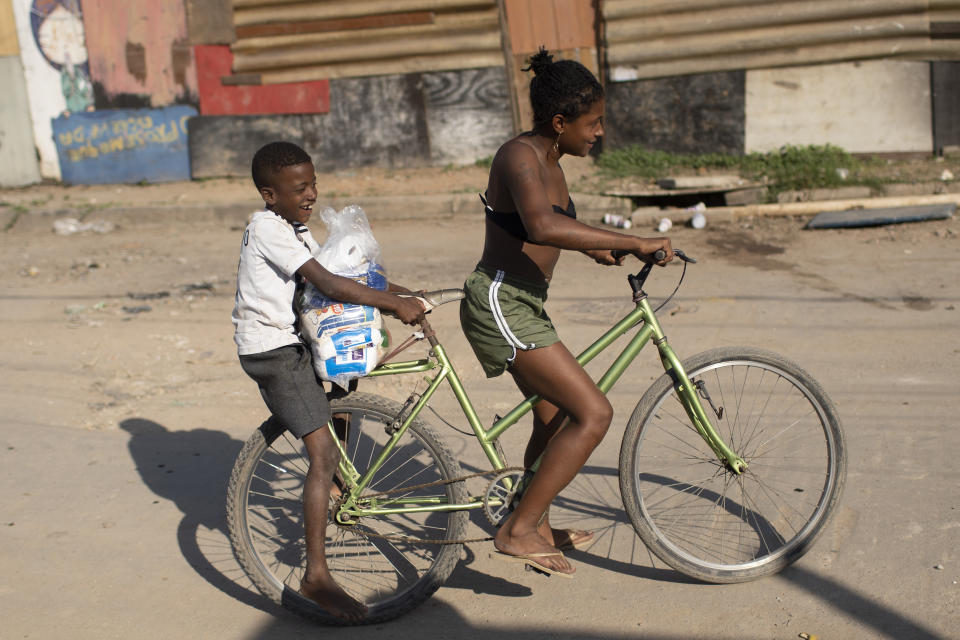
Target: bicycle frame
643, 314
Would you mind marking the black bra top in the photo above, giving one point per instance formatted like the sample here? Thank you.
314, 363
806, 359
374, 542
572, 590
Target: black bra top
511, 222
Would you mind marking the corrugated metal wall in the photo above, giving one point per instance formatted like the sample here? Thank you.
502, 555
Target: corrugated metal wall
659, 38
291, 41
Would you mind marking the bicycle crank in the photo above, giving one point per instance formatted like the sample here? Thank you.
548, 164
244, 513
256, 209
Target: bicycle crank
499, 498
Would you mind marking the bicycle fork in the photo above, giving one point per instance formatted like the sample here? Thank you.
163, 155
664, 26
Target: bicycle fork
689, 393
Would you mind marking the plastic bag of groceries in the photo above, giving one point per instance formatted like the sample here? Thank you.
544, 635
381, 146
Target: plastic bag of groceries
346, 340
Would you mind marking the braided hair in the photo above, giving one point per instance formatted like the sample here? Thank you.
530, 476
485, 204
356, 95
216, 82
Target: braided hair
273, 157
564, 87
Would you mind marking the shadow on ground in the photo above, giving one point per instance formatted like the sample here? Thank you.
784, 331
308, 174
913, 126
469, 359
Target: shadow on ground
192, 468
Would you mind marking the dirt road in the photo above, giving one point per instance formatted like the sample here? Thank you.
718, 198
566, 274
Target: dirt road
124, 406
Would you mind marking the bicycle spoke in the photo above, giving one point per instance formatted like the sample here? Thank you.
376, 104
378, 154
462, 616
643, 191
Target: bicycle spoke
388, 573
702, 517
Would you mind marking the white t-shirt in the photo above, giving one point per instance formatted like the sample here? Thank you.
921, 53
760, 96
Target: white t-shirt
270, 255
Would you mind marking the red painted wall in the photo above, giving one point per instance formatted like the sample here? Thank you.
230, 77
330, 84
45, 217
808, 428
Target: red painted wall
213, 62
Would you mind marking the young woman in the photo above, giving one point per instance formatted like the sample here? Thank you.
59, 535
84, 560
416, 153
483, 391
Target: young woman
529, 219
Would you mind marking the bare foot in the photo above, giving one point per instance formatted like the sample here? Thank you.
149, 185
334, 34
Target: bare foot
522, 544
332, 599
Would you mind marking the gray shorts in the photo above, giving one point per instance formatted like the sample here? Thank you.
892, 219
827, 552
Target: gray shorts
290, 387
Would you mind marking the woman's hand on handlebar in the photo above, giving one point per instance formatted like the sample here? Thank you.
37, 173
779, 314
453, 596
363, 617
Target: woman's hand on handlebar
607, 257
651, 250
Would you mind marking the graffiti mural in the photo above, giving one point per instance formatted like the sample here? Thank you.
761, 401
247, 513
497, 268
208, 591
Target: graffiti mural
124, 145
58, 31
49, 32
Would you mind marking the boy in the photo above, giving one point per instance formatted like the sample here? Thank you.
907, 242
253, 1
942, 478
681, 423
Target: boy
278, 249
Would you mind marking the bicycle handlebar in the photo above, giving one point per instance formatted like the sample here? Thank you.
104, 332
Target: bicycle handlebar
657, 257
637, 281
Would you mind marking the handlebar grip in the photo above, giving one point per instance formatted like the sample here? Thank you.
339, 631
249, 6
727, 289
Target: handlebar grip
659, 255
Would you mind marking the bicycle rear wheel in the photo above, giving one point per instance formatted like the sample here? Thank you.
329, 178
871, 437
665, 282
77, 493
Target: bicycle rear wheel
701, 518
265, 515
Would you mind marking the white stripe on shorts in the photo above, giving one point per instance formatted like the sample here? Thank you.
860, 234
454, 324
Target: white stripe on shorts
502, 325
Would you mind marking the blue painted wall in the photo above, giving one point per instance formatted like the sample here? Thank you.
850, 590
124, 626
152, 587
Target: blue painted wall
124, 145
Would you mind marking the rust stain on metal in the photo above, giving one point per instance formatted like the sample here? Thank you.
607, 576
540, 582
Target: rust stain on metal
136, 61
180, 56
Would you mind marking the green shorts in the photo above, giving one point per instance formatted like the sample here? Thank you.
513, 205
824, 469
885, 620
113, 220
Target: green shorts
501, 314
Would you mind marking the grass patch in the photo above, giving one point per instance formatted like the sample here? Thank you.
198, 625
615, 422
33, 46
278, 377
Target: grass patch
18, 211
789, 168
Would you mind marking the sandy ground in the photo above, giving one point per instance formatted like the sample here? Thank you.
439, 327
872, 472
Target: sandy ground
124, 405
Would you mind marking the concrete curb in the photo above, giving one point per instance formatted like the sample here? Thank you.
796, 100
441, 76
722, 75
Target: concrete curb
416, 207
807, 208
590, 208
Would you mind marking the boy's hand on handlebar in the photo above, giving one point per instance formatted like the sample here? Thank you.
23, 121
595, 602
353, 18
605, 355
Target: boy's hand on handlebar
408, 310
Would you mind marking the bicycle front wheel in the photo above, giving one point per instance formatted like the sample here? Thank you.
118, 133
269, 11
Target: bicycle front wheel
700, 517
392, 563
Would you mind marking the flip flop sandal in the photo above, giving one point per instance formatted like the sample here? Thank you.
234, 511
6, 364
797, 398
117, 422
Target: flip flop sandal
577, 540
530, 563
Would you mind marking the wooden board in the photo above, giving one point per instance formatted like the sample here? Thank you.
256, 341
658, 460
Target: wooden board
210, 21
554, 24
566, 28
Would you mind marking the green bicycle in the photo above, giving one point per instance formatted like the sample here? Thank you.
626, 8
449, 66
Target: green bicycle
730, 467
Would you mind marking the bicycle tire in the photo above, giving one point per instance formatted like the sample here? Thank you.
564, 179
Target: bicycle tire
265, 516
701, 518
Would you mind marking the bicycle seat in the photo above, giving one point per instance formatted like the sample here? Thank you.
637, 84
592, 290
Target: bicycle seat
432, 299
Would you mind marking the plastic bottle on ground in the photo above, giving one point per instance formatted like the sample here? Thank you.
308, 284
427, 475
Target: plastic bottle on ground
618, 221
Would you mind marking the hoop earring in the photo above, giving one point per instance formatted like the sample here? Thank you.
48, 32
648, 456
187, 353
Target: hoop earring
556, 144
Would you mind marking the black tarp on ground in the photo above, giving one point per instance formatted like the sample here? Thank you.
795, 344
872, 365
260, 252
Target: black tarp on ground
878, 217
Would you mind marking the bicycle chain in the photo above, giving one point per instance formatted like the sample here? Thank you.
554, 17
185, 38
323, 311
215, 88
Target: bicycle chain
392, 538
